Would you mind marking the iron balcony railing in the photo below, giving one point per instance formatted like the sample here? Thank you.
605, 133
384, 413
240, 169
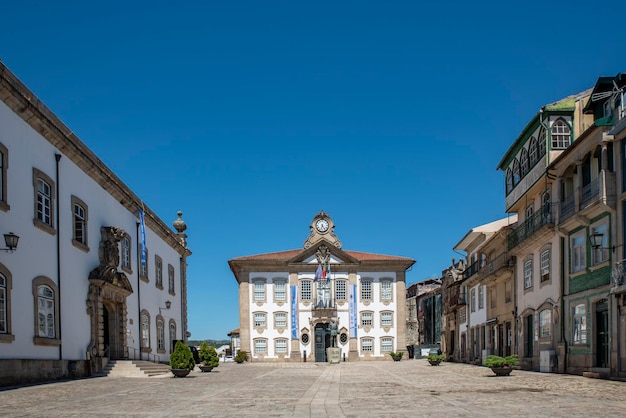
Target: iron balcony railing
526, 229
471, 270
503, 260
589, 192
568, 208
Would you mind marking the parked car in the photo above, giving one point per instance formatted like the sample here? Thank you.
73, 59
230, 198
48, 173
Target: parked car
228, 359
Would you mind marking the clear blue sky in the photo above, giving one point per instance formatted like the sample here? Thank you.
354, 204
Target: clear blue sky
251, 117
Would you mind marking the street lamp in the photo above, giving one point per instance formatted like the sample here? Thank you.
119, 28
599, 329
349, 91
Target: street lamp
10, 240
168, 305
596, 240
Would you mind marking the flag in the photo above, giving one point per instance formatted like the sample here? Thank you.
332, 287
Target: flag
318, 273
143, 238
328, 273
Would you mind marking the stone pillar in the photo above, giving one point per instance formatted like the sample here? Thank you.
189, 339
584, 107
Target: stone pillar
244, 312
401, 311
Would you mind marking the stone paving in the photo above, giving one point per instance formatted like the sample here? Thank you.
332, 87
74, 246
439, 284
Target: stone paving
409, 388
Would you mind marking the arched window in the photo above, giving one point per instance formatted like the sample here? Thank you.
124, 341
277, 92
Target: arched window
145, 331
160, 326
533, 152
524, 159
542, 142
45, 311
172, 334
516, 173
561, 136
5, 305
509, 181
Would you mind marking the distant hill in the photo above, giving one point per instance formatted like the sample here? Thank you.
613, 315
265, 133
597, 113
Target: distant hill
214, 343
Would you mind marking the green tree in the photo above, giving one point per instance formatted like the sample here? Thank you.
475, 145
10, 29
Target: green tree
182, 358
208, 355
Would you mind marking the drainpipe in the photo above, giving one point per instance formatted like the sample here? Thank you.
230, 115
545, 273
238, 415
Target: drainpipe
58, 204
138, 241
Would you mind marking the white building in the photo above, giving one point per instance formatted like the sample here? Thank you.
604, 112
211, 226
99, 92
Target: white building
75, 293
290, 301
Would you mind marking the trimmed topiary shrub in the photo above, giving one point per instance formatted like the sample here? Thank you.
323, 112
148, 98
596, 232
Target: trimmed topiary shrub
208, 355
241, 356
182, 358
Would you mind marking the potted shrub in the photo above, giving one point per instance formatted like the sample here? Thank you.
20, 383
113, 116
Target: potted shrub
435, 359
208, 357
241, 357
502, 366
396, 356
181, 360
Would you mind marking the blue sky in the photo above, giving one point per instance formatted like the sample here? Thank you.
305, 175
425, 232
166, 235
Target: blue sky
251, 117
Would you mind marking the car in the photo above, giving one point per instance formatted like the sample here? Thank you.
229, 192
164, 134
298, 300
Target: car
228, 359
195, 354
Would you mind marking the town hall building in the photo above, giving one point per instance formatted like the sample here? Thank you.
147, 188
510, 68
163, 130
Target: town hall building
295, 304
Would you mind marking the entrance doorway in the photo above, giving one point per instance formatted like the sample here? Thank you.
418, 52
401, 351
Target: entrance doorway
602, 334
322, 342
112, 330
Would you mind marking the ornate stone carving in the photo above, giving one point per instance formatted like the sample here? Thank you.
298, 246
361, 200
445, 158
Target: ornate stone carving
106, 272
316, 235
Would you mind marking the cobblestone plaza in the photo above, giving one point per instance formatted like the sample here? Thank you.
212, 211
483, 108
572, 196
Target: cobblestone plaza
408, 388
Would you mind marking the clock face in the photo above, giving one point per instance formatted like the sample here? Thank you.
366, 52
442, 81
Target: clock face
321, 225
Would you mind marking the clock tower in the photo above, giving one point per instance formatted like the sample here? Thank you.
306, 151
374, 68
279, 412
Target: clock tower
322, 227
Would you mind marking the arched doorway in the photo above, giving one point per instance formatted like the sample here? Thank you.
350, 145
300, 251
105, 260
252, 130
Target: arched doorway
322, 342
113, 330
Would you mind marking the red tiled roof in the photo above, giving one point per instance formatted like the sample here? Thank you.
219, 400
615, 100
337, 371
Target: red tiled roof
286, 255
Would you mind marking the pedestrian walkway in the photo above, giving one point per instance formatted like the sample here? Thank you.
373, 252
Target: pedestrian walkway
409, 388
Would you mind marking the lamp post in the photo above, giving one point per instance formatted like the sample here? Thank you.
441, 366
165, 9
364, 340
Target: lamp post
11, 241
596, 240
168, 305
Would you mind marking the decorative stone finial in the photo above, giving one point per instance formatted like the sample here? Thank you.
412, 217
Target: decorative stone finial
179, 224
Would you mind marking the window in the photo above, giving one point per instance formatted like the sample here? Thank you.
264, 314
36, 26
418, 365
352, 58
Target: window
280, 320
172, 334
160, 326
79, 238
545, 317
5, 305
473, 300
280, 291
145, 331
158, 271
516, 172
280, 346
340, 290
560, 135
578, 248
509, 181
170, 279
525, 162
528, 274
493, 298
601, 254
366, 290
143, 268
533, 155
507, 292
126, 252
4, 161
367, 319
259, 320
44, 201
259, 290
367, 345
481, 297
542, 142
46, 325
260, 346
386, 319
545, 265
386, 344
385, 290
462, 315
580, 325
305, 290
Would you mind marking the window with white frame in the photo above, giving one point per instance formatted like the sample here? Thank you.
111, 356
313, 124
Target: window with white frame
516, 172
367, 345
145, 330
259, 290
259, 319
340, 290
541, 142
386, 319
560, 135
44, 201
580, 325
524, 162
528, 273
160, 326
577, 252
158, 271
4, 157
45, 311
545, 265
260, 346
473, 300
280, 320
280, 290
481, 297
79, 232
601, 254
545, 319
4, 328
386, 344
126, 252
385, 290
366, 290
280, 346
367, 319
170, 279
305, 290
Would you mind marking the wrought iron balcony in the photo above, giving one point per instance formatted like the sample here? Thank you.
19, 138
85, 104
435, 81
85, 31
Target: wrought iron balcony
324, 307
543, 217
568, 208
496, 264
589, 192
471, 270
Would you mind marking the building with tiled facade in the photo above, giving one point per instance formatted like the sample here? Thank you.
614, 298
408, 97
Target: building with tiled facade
292, 302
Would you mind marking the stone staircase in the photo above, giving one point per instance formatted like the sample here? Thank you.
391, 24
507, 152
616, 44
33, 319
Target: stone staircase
135, 368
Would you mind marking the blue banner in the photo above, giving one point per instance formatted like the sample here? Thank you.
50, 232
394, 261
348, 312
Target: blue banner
294, 312
353, 322
142, 227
